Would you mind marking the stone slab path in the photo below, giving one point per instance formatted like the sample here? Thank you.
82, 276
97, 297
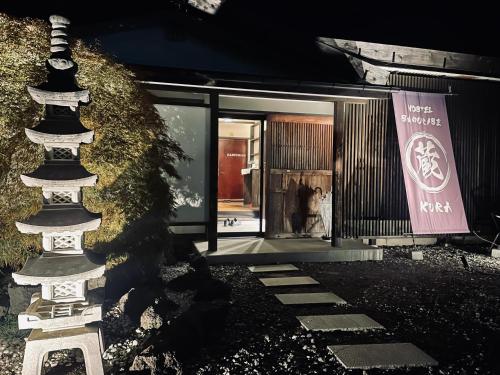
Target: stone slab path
288, 281
273, 268
340, 322
381, 356
362, 357
309, 298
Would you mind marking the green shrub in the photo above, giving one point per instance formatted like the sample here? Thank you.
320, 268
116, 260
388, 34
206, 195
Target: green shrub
9, 328
132, 153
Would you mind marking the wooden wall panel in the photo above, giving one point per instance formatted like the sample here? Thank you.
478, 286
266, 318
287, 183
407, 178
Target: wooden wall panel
274, 216
300, 145
299, 158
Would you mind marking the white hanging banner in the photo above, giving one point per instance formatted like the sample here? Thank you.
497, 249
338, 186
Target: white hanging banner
430, 175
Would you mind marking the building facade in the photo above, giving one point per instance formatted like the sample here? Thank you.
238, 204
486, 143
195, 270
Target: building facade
315, 157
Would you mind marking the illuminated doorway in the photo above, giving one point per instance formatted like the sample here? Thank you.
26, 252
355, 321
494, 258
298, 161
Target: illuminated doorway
239, 198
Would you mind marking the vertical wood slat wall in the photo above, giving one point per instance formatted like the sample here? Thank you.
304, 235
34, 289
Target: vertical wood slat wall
300, 146
374, 197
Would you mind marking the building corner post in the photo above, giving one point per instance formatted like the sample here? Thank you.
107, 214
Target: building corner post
338, 172
213, 172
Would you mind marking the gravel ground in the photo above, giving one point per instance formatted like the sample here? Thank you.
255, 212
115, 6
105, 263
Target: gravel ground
449, 311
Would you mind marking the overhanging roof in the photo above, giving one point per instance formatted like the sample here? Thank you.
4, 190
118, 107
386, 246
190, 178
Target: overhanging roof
374, 62
251, 85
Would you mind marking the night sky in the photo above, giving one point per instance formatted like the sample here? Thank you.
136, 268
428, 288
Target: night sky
445, 25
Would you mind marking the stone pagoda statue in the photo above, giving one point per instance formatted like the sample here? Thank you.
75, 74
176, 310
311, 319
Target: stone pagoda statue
64, 315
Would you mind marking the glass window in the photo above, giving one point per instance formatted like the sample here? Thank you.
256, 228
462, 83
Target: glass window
190, 126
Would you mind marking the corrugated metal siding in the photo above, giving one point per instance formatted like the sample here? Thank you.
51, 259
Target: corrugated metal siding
374, 201
302, 146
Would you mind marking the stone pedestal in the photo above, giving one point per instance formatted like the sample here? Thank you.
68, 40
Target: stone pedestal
495, 253
39, 344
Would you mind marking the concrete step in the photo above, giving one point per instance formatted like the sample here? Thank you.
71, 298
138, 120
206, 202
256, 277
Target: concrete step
335, 255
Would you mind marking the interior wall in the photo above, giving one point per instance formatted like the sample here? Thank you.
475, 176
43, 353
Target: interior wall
234, 130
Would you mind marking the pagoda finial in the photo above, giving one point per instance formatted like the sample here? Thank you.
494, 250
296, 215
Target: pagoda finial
61, 88
58, 41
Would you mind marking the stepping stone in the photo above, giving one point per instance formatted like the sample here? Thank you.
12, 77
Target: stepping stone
381, 356
273, 268
341, 322
309, 298
287, 281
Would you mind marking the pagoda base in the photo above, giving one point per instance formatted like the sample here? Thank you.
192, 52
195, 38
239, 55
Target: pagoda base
88, 339
50, 316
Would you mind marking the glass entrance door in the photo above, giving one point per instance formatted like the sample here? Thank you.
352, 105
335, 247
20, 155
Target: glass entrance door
239, 177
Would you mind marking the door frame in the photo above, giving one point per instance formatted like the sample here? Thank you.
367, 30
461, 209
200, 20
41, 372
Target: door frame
256, 117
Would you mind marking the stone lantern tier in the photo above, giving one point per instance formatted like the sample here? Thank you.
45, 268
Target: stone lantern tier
60, 130
67, 99
64, 291
50, 269
57, 175
52, 218
60, 88
49, 315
